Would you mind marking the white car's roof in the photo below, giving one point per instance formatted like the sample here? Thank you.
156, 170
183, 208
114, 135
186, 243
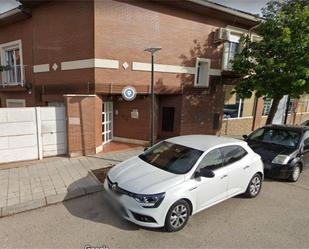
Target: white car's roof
204, 142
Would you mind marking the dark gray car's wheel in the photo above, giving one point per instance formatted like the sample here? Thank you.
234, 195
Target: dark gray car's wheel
295, 174
254, 186
177, 216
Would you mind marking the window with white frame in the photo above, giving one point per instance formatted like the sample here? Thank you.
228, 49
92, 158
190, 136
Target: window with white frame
15, 103
11, 58
230, 51
202, 72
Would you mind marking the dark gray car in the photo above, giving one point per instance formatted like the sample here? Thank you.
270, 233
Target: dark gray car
284, 149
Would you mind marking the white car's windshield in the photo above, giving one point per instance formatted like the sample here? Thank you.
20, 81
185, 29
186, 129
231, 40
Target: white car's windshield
276, 136
174, 158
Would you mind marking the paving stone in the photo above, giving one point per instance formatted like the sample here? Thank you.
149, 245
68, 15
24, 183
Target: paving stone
41, 184
61, 190
25, 198
75, 193
25, 206
12, 201
49, 192
3, 203
52, 199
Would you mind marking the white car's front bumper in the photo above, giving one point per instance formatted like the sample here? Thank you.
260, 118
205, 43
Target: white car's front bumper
131, 210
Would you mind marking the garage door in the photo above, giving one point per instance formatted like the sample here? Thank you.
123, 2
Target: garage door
32, 133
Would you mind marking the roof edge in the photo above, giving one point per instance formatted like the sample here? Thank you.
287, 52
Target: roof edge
228, 10
21, 9
10, 12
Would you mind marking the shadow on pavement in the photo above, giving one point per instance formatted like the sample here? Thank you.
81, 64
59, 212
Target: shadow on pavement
94, 207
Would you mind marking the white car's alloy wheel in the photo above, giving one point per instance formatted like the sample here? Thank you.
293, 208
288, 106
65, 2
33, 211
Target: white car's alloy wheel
255, 185
179, 216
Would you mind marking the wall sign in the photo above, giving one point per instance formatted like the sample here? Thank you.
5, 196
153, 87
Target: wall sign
129, 93
134, 114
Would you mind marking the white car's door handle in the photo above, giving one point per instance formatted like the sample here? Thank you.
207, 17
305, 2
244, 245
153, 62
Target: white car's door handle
247, 167
222, 177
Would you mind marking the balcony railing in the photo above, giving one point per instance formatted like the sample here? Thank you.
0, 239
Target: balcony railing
11, 76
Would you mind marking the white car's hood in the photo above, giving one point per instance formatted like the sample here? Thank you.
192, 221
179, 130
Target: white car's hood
139, 177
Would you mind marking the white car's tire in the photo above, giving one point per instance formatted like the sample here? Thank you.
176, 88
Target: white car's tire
177, 216
254, 186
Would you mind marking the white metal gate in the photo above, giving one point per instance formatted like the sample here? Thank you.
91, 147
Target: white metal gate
107, 122
53, 131
32, 133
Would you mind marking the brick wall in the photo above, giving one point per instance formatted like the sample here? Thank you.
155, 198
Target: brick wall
16, 95
57, 31
301, 117
199, 106
83, 126
236, 127
127, 127
124, 29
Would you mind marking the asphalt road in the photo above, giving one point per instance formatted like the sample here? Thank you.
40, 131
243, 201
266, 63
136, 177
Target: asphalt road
277, 218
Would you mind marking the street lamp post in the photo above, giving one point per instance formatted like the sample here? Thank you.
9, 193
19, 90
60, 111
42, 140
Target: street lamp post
152, 111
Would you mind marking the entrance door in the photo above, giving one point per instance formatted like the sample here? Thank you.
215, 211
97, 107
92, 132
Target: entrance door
107, 124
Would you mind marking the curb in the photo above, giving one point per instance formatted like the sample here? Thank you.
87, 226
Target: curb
48, 200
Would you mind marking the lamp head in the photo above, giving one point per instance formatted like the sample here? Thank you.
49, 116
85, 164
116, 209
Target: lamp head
153, 50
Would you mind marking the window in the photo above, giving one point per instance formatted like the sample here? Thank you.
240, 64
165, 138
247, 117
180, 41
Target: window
235, 107
213, 160
174, 158
15, 103
267, 106
233, 154
202, 72
257, 135
168, 114
230, 50
11, 56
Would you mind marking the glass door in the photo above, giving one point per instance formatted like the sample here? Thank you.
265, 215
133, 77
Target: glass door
107, 122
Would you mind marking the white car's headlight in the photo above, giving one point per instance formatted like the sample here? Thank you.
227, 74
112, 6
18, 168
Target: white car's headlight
281, 159
149, 201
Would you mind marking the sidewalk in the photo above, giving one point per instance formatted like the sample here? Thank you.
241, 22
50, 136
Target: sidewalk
31, 185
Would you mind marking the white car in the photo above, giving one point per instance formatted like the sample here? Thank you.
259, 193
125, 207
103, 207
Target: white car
182, 176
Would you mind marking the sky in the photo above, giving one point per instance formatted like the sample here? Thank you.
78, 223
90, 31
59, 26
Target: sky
251, 6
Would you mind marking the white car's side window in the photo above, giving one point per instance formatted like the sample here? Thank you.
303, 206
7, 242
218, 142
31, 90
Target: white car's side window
213, 160
233, 153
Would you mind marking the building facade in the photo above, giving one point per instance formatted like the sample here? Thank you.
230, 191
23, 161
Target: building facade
82, 54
